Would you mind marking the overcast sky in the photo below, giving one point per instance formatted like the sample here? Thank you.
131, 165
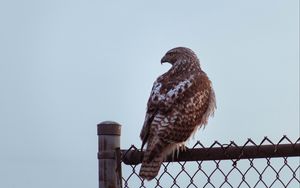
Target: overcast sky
67, 65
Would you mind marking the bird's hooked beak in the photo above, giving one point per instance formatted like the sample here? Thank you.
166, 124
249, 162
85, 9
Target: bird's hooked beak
163, 60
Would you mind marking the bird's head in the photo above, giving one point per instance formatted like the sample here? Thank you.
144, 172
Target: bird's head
178, 53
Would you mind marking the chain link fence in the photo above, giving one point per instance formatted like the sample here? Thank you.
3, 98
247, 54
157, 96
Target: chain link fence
265, 164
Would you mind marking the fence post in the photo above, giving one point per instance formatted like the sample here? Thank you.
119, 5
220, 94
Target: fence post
109, 154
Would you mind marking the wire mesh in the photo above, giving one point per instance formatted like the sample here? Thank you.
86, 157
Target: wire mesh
279, 168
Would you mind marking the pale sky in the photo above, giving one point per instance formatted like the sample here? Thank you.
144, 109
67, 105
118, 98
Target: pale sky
67, 65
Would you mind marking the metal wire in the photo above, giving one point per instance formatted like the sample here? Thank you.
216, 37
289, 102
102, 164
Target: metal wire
266, 164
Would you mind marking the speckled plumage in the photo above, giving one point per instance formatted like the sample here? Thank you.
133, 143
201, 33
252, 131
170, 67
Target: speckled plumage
181, 101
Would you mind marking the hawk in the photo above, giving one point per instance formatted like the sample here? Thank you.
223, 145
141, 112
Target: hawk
181, 101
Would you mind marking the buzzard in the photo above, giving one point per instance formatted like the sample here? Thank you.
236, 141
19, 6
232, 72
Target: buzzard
181, 101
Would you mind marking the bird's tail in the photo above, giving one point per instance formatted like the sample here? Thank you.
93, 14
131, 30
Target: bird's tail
149, 169
153, 158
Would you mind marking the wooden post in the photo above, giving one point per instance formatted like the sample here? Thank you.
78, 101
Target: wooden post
109, 154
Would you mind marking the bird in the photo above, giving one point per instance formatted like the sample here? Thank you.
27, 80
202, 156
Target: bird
181, 101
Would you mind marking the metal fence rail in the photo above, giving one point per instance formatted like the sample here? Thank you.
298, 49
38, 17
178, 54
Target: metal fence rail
264, 164
218, 151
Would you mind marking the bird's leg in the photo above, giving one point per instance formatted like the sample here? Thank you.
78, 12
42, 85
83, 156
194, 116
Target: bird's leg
183, 148
180, 148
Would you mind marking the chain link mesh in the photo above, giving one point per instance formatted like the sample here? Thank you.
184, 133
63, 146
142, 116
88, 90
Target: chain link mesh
279, 171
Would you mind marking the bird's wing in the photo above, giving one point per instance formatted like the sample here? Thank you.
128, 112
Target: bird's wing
163, 95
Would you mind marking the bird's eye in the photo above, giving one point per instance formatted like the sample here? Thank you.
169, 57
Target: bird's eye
171, 53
